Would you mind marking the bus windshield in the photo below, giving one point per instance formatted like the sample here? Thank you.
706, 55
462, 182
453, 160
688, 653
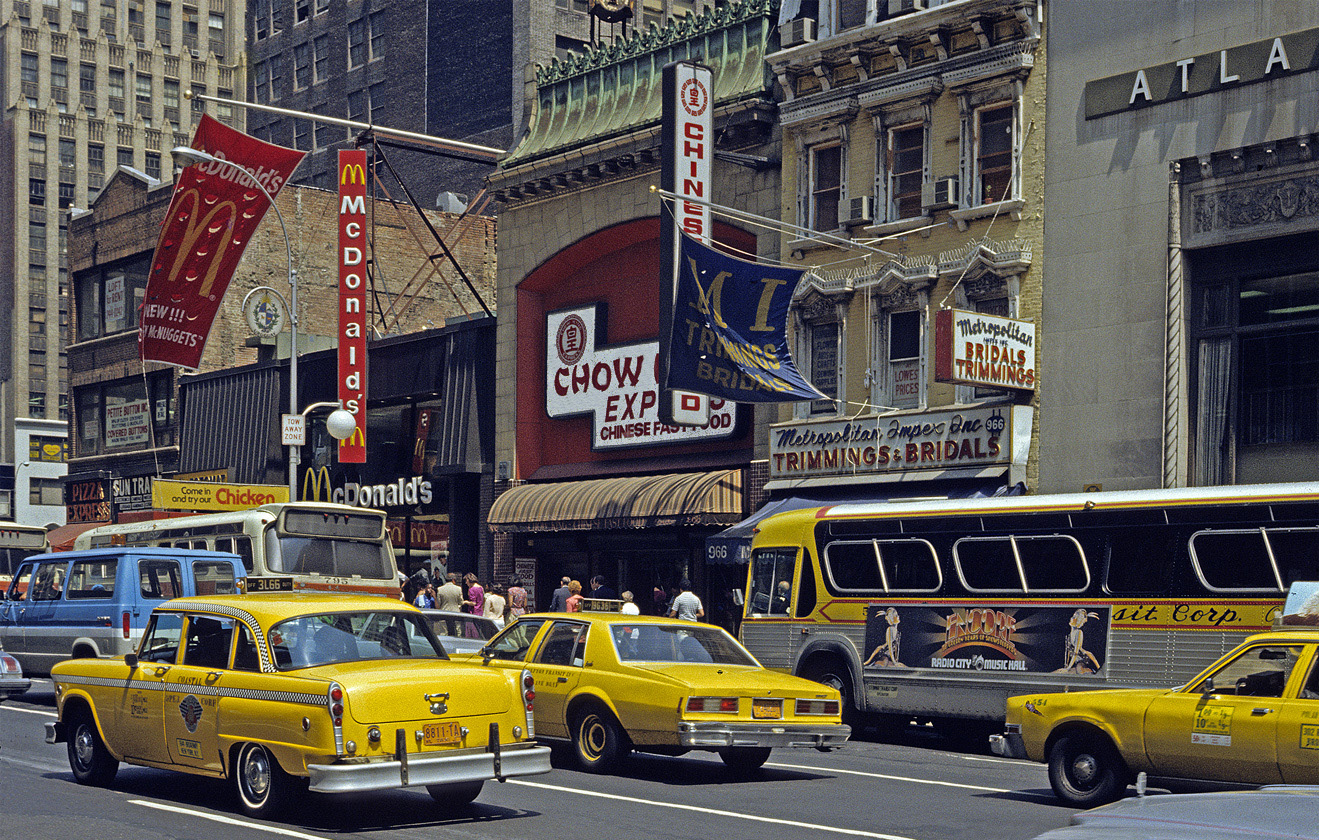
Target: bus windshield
294, 555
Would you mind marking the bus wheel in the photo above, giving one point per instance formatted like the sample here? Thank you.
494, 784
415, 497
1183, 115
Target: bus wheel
833, 673
1085, 770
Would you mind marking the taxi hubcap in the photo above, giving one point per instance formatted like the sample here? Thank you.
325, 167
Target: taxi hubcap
1084, 769
256, 773
593, 737
83, 746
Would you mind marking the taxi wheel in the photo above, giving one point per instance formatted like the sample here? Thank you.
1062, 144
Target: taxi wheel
599, 741
744, 759
263, 786
90, 761
454, 796
1086, 770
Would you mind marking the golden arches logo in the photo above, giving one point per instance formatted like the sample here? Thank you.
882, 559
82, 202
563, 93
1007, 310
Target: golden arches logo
314, 481
356, 439
193, 230
353, 173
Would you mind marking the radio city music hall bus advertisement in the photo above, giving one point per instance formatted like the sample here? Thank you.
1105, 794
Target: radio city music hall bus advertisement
989, 637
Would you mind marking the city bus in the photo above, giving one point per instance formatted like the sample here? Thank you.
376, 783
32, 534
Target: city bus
17, 543
320, 546
938, 611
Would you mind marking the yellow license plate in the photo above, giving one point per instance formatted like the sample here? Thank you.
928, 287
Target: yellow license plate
767, 709
441, 735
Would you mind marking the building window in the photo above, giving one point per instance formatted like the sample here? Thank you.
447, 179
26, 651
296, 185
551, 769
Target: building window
377, 98
216, 24
904, 359
36, 404
824, 365
36, 237
302, 134
301, 66
66, 195
116, 85
994, 144
261, 81
142, 87
321, 57
95, 157
124, 157
565, 47
301, 10
36, 149
906, 165
29, 69
45, 491
261, 19
171, 88
826, 186
59, 73
359, 107
1255, 313
163, 20
357, 42
68, 152
89, 420
53, 450
152, 162
87, 78
378, 28
36, 192
327, 134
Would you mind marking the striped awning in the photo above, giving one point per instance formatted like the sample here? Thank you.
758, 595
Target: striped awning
648, 501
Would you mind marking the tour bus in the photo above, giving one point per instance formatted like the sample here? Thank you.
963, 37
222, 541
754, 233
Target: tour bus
320, 546
17, 543
940, 610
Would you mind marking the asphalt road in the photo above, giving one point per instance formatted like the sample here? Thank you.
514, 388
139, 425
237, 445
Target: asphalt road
909, 785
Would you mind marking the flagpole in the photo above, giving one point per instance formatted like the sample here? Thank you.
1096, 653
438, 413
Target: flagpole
479, 153
775, 224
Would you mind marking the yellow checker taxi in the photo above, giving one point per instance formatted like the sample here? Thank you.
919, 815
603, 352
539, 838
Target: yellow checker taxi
611, 683
285, 692
1251, 718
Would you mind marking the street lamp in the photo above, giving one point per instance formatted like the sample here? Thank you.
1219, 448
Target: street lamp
186, 156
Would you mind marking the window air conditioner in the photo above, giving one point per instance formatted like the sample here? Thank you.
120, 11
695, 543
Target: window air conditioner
902, 7
858, 210
939, 193
796, 32
196, 53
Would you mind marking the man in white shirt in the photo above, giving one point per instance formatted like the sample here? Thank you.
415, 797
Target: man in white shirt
687, 606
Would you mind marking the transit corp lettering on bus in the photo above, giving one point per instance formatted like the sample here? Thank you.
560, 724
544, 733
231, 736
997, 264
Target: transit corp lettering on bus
1183, 616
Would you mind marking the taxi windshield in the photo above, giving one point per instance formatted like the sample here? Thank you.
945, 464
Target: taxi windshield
311, 640
678, 642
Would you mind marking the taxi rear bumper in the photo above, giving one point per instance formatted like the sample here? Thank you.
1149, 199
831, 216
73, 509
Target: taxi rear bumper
521, 759
718, 734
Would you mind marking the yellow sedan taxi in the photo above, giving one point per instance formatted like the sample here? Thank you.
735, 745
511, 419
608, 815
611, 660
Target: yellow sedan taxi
1251, 718
281, 693
610, 683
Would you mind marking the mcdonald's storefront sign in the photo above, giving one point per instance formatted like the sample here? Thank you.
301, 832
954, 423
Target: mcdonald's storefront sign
413, 490
352, 300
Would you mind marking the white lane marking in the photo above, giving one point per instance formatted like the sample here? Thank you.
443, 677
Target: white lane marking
44, 766
10, 708
889, 778
269, 829
700, 809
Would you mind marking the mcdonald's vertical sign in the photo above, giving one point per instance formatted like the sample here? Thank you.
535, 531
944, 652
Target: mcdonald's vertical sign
352, 299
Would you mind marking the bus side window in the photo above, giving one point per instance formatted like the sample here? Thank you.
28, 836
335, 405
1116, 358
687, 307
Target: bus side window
1234, 561
771, 575
806, 588
1297, 552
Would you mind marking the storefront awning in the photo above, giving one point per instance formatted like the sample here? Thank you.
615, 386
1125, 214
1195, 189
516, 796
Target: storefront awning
733, 545
61, 538
708, 498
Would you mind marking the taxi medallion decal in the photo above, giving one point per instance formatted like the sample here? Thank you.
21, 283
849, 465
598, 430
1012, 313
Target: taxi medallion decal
191, 709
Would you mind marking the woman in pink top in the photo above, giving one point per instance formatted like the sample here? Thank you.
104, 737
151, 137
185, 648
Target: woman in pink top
517, 598
574, 597
475, 601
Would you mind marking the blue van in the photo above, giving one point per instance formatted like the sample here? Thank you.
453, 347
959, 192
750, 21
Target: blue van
97, 602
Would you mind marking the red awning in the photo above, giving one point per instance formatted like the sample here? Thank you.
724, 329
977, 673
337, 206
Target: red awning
61, 538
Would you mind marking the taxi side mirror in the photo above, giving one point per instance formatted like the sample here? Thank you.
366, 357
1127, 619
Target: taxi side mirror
1207, 687
130, 659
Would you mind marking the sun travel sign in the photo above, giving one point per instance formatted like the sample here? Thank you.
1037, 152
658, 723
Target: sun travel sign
615, 384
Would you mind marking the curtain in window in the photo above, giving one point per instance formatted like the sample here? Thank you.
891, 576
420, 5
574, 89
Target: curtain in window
1212, 421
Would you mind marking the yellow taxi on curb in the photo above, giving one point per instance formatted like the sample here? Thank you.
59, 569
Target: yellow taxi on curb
1251, 718
611, 683
285, 692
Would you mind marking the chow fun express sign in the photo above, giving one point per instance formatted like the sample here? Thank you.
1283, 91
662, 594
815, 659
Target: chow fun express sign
616, 385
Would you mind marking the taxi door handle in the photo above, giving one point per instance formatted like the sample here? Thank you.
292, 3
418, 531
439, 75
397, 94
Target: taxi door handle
1260, 712
563, 679
162, 670
212, 676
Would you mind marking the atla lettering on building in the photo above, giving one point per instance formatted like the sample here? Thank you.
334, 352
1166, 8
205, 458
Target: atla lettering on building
928, 441
971, 348
615, 384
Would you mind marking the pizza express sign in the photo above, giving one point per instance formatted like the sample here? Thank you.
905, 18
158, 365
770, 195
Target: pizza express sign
1214, 72
615, 384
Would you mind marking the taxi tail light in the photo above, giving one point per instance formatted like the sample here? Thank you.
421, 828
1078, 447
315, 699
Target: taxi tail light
817, 707
334, 698
529, 701
127, 620
8, 664
726, 705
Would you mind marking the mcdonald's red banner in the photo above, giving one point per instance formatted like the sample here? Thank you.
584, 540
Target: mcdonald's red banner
352, 300
214, 212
